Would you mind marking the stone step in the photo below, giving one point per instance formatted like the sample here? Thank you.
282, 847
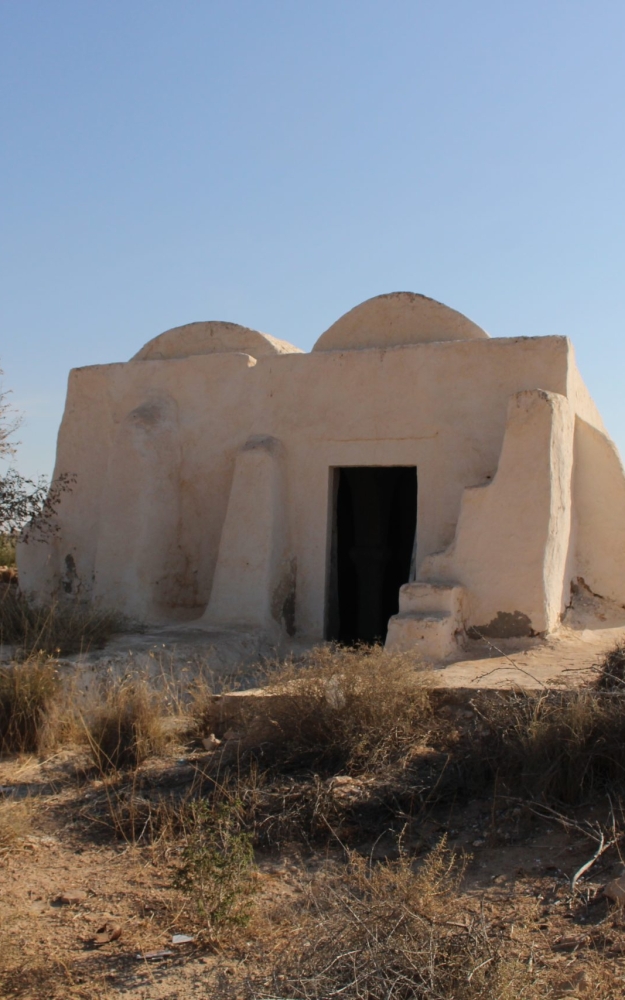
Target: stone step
432, 636
423, 597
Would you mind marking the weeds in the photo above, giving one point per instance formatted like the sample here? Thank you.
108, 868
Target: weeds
135, 818
60, 629
217, 866
348, 749
27, 693
126, 728
354, 744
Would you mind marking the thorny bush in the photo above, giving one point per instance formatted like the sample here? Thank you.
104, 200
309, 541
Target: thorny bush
373, 931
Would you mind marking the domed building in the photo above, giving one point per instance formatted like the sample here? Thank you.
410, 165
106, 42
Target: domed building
409, 480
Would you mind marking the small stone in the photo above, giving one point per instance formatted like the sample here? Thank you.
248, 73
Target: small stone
72, 897
478, 843
106, 933
210, 742
615, 890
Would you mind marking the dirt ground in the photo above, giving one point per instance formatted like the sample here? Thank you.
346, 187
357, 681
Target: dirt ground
517, 882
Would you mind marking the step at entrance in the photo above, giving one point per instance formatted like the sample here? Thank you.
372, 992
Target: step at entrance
429, 620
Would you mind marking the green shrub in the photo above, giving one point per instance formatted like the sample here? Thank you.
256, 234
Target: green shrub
7, 550
217, 867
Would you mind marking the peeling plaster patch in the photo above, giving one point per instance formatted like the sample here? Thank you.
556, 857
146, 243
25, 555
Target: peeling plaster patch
505, 625
283, 600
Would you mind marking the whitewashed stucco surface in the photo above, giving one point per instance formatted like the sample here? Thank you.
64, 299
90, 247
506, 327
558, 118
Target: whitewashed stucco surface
202, 482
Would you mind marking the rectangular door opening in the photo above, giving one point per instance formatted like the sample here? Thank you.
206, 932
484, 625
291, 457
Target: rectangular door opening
374, 520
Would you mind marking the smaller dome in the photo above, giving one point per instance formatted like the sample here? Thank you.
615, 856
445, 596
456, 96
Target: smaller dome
397, 319
212, 337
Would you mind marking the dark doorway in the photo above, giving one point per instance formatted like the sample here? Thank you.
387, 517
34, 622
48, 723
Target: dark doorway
373, 537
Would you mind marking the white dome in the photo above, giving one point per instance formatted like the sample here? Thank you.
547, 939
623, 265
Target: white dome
396, 319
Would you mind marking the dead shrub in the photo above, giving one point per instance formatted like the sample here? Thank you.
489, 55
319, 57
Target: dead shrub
374, 931
125, 727
559, 746
353, 708
27, 693
612, 676
59, 629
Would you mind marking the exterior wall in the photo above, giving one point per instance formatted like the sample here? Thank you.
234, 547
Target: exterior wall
152, 445
599, 496
441, 407
160, 525
253, 586
511, 547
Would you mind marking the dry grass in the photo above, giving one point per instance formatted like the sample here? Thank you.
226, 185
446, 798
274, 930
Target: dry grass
353, 743
125, 727
349, 746
27, 694
358, 713
560, 747
374, 931
60, 629
338, 708
612, 677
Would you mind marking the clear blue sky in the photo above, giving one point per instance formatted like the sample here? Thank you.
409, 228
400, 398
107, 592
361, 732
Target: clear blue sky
275, 162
